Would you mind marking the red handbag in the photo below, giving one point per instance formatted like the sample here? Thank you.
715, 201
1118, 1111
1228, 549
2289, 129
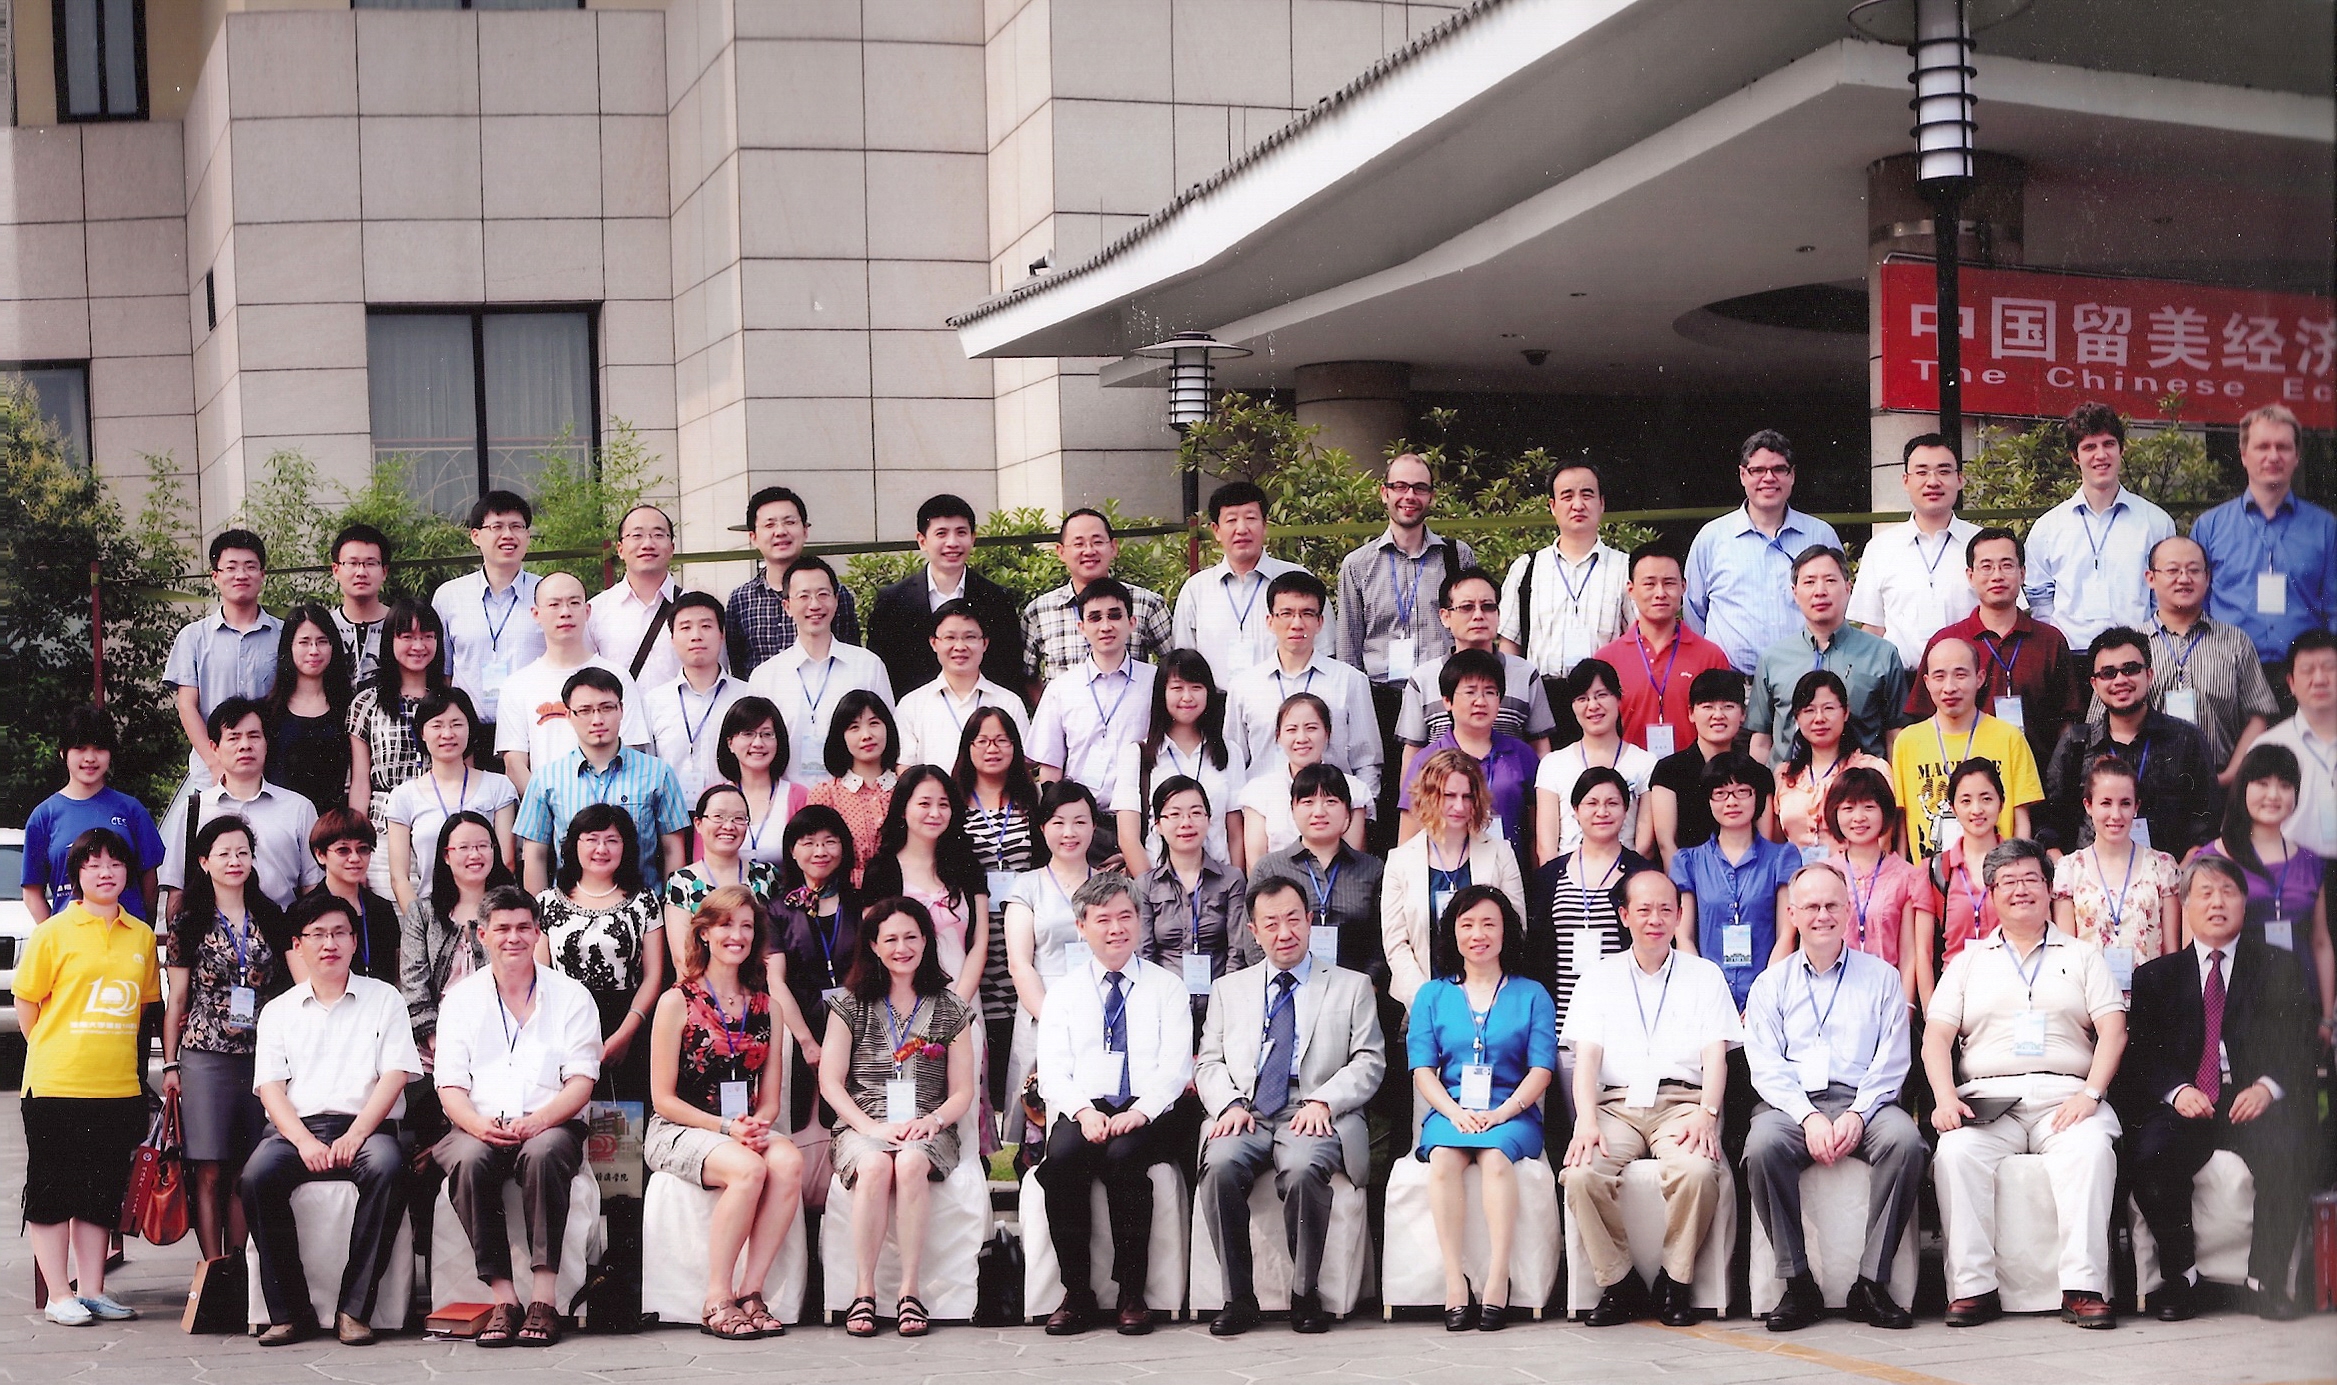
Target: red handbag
155, 1207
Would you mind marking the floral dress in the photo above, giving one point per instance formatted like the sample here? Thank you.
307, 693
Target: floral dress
2122, 913
686, 888
603, 948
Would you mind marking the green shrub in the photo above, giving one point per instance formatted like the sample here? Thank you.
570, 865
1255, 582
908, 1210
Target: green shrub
2032, 469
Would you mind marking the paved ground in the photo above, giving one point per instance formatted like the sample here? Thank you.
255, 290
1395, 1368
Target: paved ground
2034, 1351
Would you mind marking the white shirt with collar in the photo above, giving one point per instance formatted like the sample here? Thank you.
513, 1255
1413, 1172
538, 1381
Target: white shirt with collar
1071, 1037
1086, 715
535, 709
2086, 572
933, 719
489, 635
1255, 697
685, 727
331, 1057
806, 698
2223, 1057
1652, 1028
1913, 585
2313, 825
1224, 616
617, 620
1299, 1028
935, 596
510, 1067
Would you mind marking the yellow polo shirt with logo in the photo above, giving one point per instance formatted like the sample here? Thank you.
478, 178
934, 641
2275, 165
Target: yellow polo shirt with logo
92, 978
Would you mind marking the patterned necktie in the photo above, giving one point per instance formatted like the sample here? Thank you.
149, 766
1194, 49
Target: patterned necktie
1116, 1027
1281, 1041
2210, 1076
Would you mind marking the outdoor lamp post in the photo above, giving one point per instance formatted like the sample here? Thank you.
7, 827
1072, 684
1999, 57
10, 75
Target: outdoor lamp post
1192, 391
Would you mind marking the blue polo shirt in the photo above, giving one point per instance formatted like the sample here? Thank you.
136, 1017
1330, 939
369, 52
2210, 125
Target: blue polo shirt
1743, 892
57, 820
2298, 543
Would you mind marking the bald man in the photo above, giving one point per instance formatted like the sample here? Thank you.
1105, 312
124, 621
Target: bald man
1957, 730
532, 728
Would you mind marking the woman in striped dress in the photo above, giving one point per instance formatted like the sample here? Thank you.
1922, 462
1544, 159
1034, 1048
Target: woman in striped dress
1573, 899
1002, 806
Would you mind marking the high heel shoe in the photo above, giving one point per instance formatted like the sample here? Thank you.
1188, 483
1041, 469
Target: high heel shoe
1492, 1317
1464, 1317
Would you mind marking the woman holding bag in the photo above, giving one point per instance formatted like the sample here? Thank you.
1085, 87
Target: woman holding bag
86, 973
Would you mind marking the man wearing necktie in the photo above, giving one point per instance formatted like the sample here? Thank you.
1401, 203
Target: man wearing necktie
2222, 1059
1291, 1053
1115, 1048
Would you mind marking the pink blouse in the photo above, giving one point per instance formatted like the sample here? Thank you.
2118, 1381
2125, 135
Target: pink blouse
1801, 800
1879, 897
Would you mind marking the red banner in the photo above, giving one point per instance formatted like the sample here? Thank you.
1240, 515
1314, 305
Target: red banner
2037, 345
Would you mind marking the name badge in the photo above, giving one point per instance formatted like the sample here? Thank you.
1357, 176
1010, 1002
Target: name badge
1659, 739
1403, 653
2271, 593
2121, 962
1197, 977
1584, 947
2183, 705
1815, 1069
1098, 1074
900, 1099
491, 681
829, 996
2142, 834
1814, 853
1477, 1086
1736, 945
2008, 709
1437, 900
243, 1005
1076, 953
1574, 646
2281, 933
496, 1090
1000, 884
1640, 1096
2028, 1034
734, 1100
1323, 943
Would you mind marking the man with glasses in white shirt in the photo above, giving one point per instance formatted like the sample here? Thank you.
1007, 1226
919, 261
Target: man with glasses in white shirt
684, 714
933, 717
810, 676
629, 620
489, 634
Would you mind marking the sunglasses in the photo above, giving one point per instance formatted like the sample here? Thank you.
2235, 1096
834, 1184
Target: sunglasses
2129, 669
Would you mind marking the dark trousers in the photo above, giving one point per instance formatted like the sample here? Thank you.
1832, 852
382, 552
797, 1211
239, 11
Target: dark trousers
475, 1174
1302, 1165
2169, 1151
1777, 1151
1387, 702
275, 1169
1123, 1164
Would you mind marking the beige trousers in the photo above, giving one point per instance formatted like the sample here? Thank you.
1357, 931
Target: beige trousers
1691, 1184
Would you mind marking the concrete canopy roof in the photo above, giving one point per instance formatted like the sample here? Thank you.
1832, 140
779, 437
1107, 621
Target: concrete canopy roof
1579, 177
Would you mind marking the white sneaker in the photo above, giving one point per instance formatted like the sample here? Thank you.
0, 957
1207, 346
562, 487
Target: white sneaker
67, 1311
108, 1308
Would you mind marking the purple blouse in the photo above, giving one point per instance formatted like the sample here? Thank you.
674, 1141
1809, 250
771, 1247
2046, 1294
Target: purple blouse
1509, 772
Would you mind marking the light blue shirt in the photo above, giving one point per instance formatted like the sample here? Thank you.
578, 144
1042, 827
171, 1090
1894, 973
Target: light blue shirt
1851, 1018
2086, 572
1740, 582
2299, 542
643, 785
219, 662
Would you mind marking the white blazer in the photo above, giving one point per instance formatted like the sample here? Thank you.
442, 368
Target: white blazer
1404, 920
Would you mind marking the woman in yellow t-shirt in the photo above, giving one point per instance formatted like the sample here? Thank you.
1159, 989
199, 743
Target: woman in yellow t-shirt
86, 977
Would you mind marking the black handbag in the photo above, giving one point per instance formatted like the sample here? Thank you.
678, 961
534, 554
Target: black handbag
998, 1281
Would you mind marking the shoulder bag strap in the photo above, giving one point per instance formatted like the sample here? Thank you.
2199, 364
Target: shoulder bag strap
657, 624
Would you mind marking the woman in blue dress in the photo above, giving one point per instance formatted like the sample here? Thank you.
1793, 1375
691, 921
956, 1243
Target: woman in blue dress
1484, 1041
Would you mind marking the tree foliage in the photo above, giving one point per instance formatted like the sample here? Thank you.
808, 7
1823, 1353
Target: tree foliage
2032, 468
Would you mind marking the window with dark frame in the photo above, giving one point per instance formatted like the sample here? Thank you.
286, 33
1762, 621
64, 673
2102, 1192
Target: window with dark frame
471, 400
60, 391
101, 59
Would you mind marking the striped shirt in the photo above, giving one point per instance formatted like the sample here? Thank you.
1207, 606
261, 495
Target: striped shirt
1224, 616
1571, 609
1052, 645
1002, 843
1383, 594
1580, 923
643, 785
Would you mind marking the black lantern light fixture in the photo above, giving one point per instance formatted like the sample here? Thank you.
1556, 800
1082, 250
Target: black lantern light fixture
1192, 393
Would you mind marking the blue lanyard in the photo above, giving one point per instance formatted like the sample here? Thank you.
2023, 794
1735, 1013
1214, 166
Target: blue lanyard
828, 945
770, 809
1480, 1018
510, 1035
682, 700
1241, 613
1282, 689
2183, 660
1105, 719
1574, 590
2117, 902
1931, 564
732, 1039
1810, 988
2085, 517
461, 795
995, 826
1646, 1029
827, 676
1874, 882
1322, 887
1661, 686
2030, 972
1948, 766
1995, 650
897, 1031
237, 940
1280, 1003
604, 779
1407, 600
487, 613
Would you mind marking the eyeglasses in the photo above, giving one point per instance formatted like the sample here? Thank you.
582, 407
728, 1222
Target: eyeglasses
350, 849
2025, 878
328, 935
2129, 669
993, 743
361, 564
1768, 471
1409, 487
507, 527
2191, 570
727, 820
1475, 608
1733, 793
596, 709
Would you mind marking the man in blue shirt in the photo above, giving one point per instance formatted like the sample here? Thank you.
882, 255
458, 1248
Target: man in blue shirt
1740, 567
87, 801
2272, 556
1731, 887
601, 770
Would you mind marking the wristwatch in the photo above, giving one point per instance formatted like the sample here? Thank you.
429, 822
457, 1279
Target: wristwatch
1711, 1110
2092, 1095
724, 1128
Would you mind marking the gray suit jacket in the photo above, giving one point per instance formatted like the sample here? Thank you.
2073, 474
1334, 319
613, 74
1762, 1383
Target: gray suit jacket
1341, 1057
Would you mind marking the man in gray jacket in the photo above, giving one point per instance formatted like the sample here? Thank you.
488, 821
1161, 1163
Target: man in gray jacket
1290, 1055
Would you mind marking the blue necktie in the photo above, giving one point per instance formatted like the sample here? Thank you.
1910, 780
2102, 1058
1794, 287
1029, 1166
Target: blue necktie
1116, 1027
1281, 1042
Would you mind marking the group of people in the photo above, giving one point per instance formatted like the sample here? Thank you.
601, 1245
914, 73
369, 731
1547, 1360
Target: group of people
1126, 883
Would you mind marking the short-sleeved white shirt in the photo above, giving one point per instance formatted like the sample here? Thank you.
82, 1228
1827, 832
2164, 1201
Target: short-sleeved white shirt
508, 1067
1983, 992
1656, 1027
685, 726
1560, 768
933, 720
330, 1058
535, 718
1913, 586
807, 699
423, 807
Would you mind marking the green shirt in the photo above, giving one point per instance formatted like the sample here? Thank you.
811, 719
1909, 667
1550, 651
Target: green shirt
1868, 665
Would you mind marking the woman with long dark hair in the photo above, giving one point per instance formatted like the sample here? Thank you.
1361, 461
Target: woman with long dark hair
603, 927
384, 751
815, 924
439, 945
308, 709
2288, 892
1002, 806
1185, 737
863, 755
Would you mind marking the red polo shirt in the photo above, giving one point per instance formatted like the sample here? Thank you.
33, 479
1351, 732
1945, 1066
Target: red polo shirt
1656, 683
2033, 662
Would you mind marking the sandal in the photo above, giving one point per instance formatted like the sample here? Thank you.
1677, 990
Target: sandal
502, 1326
766, 1323
860, 1318
728, 1321
912, 1318
541, 1327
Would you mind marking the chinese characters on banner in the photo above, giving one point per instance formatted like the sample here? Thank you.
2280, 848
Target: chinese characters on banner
2037, 345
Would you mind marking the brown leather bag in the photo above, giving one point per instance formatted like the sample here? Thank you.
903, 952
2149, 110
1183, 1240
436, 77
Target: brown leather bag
155, 1207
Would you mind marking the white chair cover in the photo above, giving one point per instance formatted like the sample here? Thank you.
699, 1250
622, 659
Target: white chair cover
1833, 1228
1346, 1274
323, 1212
1412, 1266
958, 1222
1164, 1276
2223, 1218
1643, 1222
677, 1220
453, 1276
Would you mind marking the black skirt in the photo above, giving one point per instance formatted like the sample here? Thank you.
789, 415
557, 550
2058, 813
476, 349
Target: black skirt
77, 1156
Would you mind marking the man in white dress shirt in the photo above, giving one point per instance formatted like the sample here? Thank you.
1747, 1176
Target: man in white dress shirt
684, 713
933, 718
628, 621
1650, 1029
1295, 606
1910, 578
1828, 1062
335, 1053
488, 633
534, 729
2311, 735
1291, 1054
1088, 712
1115, 1050
1221, 609
2089, 555
808, 678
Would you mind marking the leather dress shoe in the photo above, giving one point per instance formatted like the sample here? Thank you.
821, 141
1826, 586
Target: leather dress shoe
1307, 1315
1871, 1303
2177, 1300
2087, 1310
1135, 1318
352, 1332
1072, 1318
1623, 1301
1492, 1317
1971, 1312
1802, 1304
1675, 1303
1235, 1318
284, 1334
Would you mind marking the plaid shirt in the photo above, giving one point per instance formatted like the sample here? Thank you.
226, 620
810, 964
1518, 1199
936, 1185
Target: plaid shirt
759, 626
1053, 645
643, 785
